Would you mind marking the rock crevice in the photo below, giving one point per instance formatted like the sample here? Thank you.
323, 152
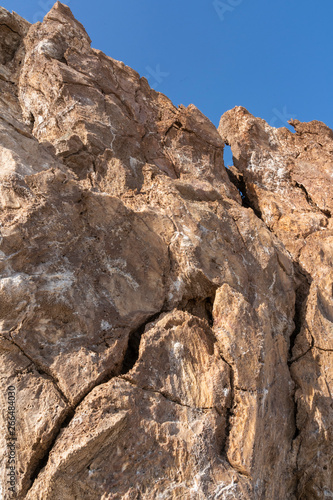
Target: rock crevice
166, 321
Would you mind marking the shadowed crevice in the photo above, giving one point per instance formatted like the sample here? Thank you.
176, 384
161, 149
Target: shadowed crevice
301, 296
130, 358
229, 409
43, 461
237, 179
310, 201
228, 426
133, 347
201, 308
62, 425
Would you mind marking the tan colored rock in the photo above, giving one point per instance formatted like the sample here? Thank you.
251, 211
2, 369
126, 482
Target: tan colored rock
163, 340
288, 179
179, 358
40, 410
63, 302
125, 442
277, 167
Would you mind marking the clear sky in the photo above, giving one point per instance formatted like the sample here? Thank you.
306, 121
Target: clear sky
272, 57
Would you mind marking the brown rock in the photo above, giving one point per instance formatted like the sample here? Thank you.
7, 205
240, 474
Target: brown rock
164, 341
277, 166
288, 179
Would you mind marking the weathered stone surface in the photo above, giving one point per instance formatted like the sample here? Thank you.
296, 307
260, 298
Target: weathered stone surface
41, 409
166, 339
125, 442
288, 179
277, 167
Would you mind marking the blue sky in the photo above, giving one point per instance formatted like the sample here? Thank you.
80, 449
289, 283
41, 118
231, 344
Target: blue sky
274, 58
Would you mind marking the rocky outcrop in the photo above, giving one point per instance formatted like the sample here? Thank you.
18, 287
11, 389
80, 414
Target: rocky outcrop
165, 336
288, 180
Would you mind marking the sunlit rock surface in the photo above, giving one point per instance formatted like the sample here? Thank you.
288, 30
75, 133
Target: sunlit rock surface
168, 337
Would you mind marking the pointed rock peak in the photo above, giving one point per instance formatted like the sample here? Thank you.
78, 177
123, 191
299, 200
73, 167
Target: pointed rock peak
195, 120
61, 13
62, 9
240, 111
4, 12
13, 21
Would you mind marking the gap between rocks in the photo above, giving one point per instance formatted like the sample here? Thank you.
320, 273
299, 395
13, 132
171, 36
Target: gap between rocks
62, 425
237, 179
204, 311
166, 396
133, 347
301, 295
200, 308
230, 411
303, 283
310, 201
129, 359
228, 417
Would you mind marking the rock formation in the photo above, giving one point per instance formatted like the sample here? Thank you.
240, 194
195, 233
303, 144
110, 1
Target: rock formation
165, 336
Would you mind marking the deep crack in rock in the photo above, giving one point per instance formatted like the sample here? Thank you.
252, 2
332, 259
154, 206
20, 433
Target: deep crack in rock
160, 222
132, 351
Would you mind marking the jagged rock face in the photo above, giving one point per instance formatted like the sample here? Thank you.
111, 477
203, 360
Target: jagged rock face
277, 167
288, 179
164, 340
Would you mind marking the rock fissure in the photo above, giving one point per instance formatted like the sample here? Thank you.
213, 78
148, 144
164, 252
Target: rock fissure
200, 308
300, 356
310, 201
165, 395
133, 347
63, 425
130, 355
5, 79
109, 384
328, 388
41, 370
323, 349
11, 29
229, 409
42, 462
301, 297
17, 129
238, 180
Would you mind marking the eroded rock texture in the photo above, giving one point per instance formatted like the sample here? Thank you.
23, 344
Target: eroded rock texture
167, 339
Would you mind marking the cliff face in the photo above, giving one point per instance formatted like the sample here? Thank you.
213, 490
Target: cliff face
164, 337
